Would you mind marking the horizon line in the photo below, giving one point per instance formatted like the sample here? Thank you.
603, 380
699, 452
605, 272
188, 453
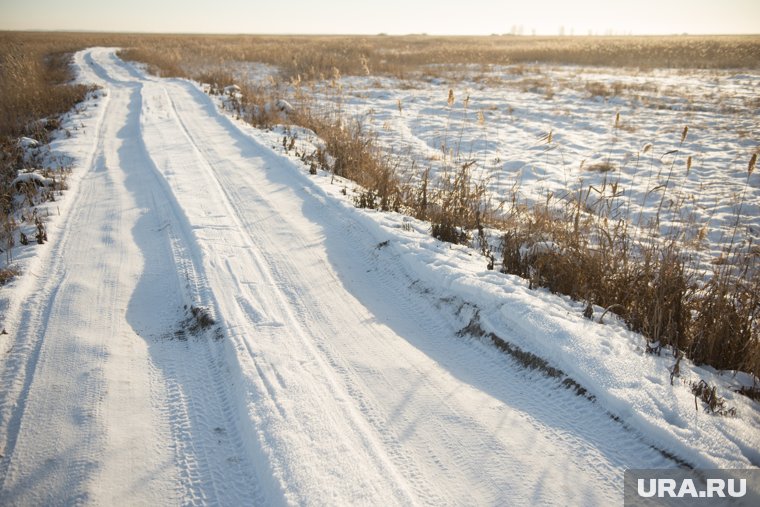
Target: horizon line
377, 34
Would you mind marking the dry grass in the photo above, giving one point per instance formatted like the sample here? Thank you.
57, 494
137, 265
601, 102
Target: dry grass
570, 247
713, 403
315, 57
651, 281
34, 79
7, 274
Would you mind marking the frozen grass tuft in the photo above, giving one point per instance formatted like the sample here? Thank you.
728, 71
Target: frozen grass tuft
7, 274
713, 403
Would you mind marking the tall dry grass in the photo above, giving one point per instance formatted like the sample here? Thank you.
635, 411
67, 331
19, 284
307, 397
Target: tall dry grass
315, 57
35, 78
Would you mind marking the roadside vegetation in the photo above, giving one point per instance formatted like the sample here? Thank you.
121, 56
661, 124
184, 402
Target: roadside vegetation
34, 77
581, 246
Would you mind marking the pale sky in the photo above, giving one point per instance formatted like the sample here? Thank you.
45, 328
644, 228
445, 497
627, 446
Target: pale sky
452, 17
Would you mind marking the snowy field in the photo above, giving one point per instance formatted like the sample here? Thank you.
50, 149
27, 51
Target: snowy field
211, 325
542, 133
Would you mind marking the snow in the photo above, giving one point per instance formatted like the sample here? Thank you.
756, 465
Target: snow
232, 90
35, 178
28, 142
337, 369
284, 106
502, 116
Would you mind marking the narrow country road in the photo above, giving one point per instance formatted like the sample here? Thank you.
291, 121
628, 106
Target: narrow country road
212, 329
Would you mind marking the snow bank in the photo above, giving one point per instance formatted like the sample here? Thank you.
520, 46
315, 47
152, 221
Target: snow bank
606, 359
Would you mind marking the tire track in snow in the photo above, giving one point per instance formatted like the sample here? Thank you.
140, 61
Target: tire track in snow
458, 452
197, 408
63, 435
467, 447
273, 383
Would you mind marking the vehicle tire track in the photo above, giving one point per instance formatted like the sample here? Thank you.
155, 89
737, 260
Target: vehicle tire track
294, 314
245, 240
198, 409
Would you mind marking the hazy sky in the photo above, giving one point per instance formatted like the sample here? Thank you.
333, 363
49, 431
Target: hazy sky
388, 16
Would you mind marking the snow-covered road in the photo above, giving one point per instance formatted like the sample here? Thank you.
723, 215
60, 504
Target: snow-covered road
329, 376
